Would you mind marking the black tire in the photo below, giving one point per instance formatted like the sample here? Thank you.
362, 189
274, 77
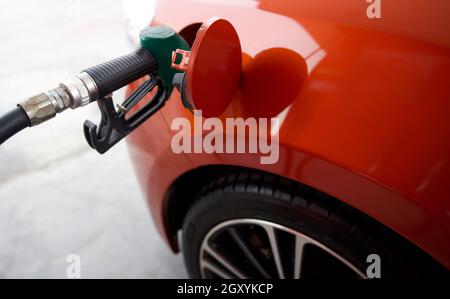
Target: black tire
344, 230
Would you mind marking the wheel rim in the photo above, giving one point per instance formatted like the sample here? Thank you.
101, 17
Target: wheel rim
253, 248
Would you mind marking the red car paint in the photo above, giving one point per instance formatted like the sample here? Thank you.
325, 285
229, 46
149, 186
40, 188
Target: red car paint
366, 121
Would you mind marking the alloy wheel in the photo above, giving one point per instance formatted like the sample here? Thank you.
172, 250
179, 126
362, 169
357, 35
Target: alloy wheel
253, 248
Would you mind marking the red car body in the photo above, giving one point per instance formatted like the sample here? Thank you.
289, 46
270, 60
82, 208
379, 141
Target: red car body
368, 123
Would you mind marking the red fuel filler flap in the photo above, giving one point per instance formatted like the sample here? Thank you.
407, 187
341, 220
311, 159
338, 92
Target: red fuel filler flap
212, 68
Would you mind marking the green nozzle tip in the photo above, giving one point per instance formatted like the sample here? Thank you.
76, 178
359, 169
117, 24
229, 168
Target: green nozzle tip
161, 41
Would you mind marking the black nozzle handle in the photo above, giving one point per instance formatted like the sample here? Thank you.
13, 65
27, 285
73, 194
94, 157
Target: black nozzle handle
115, 74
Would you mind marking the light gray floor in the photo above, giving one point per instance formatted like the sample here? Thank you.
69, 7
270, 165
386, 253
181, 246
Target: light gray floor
57, 196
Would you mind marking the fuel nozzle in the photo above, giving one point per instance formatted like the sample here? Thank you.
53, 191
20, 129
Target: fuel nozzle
97, 83
154, 61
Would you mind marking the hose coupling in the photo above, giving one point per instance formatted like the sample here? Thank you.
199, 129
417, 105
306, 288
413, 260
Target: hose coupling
73, 93
46, 105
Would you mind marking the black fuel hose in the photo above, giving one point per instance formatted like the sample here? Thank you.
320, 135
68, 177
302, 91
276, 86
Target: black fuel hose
13, 122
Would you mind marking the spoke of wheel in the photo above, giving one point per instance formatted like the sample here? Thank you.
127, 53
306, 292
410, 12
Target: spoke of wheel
300, 243
217, 256
247, 252
275, 251
216, 270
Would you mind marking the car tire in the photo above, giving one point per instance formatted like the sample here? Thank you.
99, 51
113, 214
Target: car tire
223, 234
